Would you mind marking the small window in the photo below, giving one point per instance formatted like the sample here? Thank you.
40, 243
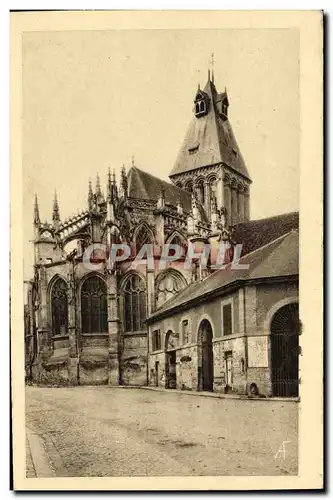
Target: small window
227, 319
200, 107
189, 187
224, 109
185, 331
156, 340
193, 149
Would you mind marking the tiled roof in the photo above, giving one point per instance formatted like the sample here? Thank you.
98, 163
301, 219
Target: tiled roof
216, 140
257, 233
142, 185
145, 186
277, 259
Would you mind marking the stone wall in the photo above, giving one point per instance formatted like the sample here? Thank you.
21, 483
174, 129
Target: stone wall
246, 352
235, 349
187, 368
133, 360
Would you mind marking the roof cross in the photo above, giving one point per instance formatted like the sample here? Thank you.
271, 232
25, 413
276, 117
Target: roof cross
212, 60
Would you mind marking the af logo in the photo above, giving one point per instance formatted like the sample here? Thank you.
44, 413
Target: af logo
281, 453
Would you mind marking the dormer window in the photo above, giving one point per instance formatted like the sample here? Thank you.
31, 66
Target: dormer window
193, 148
200, 108
224, 109
201, 104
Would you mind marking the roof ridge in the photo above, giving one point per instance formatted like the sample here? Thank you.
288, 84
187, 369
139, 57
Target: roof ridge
285, 214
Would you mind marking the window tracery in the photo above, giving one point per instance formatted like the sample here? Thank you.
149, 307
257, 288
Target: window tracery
94, 311
59, 305
135, 304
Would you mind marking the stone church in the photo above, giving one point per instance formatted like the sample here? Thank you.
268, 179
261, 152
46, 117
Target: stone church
189, 328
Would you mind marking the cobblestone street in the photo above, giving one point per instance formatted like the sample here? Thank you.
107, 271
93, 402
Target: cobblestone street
101, 431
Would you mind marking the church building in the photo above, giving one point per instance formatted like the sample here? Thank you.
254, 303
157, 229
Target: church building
197, 327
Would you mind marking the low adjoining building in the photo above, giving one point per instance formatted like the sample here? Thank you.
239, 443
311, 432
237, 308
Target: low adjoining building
238, 329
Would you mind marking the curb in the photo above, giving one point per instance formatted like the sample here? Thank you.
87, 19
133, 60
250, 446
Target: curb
217, 395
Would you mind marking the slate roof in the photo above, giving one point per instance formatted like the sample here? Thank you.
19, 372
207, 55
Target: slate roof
216, 139
277, 259
145, 186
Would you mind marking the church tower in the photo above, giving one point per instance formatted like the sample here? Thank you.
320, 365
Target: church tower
210, 163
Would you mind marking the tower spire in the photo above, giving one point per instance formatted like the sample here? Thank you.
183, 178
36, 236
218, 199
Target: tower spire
90, 196
99, 194
36, 211
123, 182
98, 185
55, 213
109, 185
114, 183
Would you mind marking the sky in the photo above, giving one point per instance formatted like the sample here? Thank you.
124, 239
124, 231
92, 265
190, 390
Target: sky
94, 99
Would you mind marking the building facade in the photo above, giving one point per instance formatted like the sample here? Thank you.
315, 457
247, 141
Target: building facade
235, 331
96, 324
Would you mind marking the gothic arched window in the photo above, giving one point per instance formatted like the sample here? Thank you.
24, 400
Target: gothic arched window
94, 311
143, 236
177, 239
135, 304
59, 307
168, 284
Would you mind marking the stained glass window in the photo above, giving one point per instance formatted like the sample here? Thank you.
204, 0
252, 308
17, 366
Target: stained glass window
59, 307
135, 304
94, 306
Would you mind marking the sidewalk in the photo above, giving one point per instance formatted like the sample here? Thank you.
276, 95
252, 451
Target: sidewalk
42, 457
207, 394
30, 468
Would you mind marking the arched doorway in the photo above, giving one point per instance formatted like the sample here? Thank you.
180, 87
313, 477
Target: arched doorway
207, 357
285, 329
171, 344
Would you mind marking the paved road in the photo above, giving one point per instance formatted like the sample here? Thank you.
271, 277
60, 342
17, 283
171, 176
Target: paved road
101, 431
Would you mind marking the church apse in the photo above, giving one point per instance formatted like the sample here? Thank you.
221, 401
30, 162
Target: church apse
91, 319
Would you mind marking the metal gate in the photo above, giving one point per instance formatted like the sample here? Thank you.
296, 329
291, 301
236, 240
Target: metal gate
285, 351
